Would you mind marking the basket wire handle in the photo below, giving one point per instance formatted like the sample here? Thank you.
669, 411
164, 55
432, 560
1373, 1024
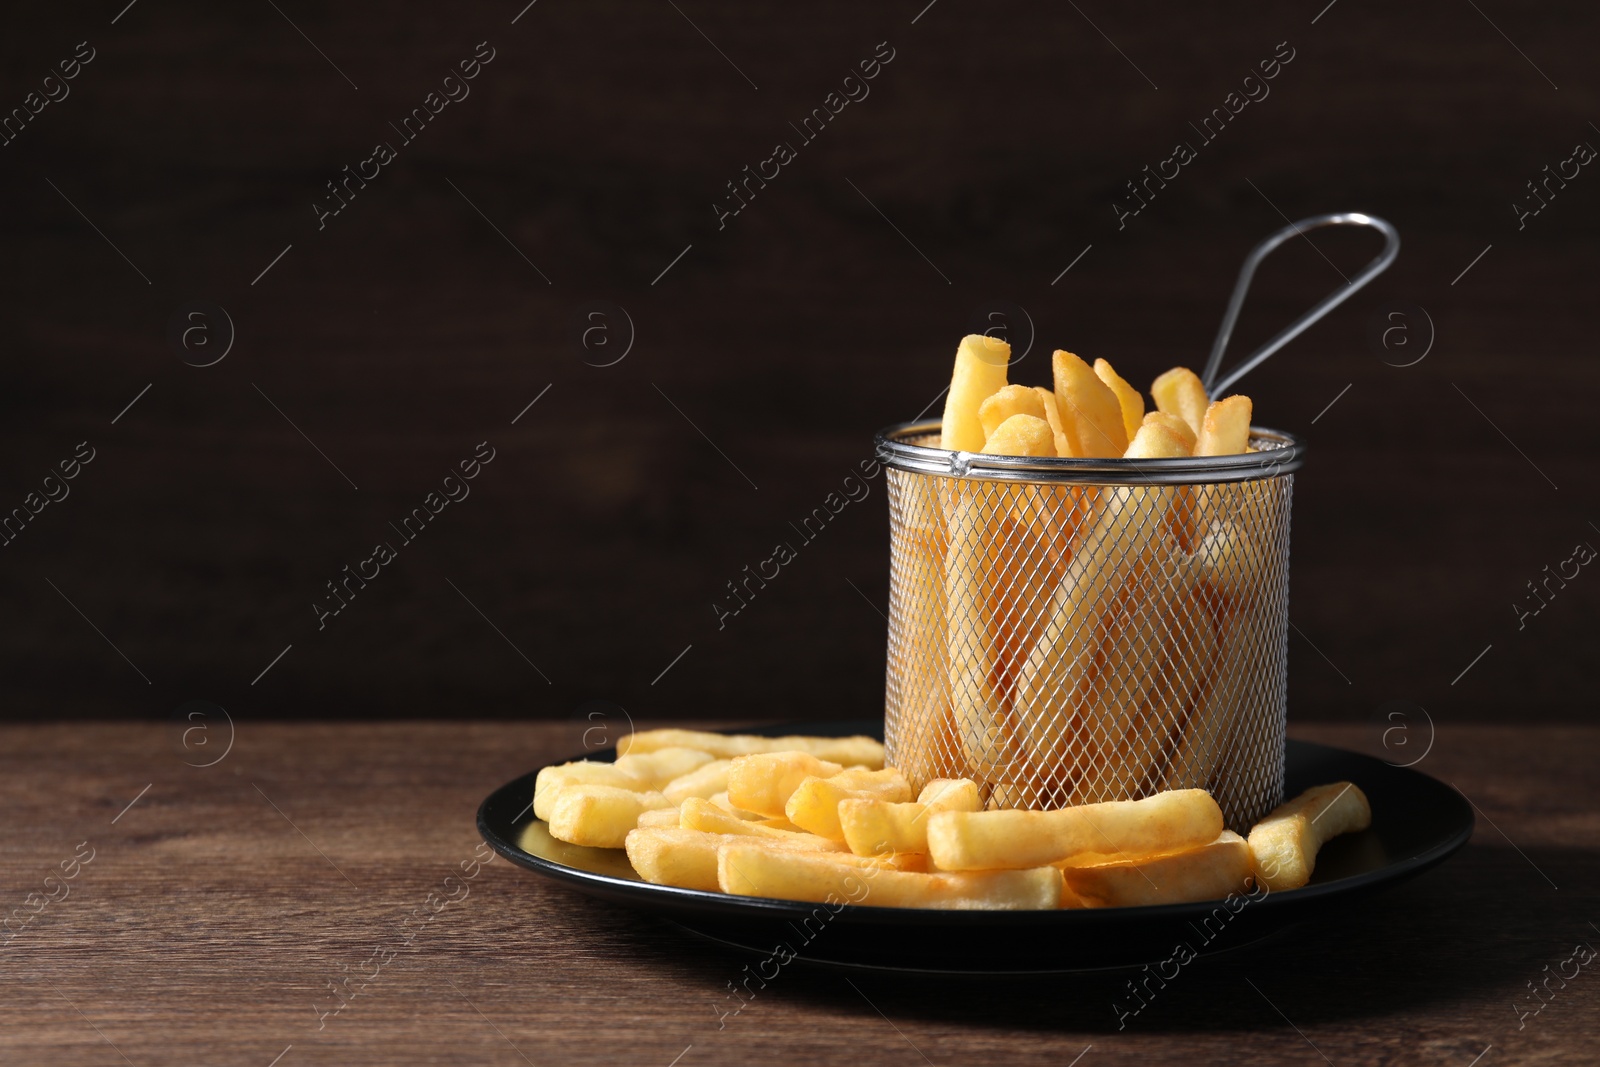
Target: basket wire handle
1391, 249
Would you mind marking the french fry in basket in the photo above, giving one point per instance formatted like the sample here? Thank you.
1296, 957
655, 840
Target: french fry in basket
1125, 734
1230, 561
658, 768
762, 783
1285, 843
1055, 681
1193, 722
599, 815
1225, 430
980, 716
551, 780
994, 840
1052, 415
706, 780
1091, 414
814, 806
1128, 397
917, 696
1021, 435
980, 371
752, 871
1179, 428
874, 827
1179, 392
1209, 872
698, 814
858, 751
1005, 402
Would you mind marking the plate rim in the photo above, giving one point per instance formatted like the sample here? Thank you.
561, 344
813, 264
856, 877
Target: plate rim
759, 908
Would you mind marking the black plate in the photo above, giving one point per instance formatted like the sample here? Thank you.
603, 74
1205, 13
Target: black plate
1416, 823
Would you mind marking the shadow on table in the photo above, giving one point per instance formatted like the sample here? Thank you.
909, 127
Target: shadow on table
1482, 924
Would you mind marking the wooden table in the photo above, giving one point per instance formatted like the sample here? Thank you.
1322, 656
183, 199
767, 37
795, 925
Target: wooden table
221, 902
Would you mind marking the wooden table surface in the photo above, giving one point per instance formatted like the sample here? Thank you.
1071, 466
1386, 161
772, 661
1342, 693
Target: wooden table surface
199, 915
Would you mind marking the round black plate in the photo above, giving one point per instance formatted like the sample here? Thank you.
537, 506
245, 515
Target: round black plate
1416, 823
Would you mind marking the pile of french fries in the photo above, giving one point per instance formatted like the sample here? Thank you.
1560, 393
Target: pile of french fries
1066, 644
823, 819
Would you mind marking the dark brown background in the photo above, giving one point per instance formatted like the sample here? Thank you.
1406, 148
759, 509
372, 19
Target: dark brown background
597, 141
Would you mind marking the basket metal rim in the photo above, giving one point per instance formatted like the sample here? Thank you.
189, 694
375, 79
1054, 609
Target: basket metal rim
1284, 455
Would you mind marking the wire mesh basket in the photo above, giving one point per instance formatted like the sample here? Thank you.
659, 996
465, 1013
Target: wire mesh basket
1068, 631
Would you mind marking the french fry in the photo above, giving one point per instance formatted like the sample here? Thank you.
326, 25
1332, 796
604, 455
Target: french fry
873, 827
1231, 563
552, 780
1091, 415
1225, 430
660, 818
995, 840
698, 814
1285, 844
706, 780
981, 718
1128, 398
1021, 435
857, 751
814, 806
1209, 872
753, 871
1179, 428
1009, 400
980, 371
917, 699
1052, 415
599, 815
1214, 726
1179, 392
1180, 707
1055, 682
658, 768
1122, 740
688, 858
762, 782
721, 800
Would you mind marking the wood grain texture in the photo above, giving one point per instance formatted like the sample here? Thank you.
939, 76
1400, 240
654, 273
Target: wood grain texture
208, 924
596, 143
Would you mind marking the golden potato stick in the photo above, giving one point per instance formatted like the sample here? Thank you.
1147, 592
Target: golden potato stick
1213, 727
1054, 681
1225, 430
1008, 401
1017, 595
1209, 872
1052, 415
660, 818
857, 751
1284, 844
1179, 392
1091, 415
706, 780
762, 783
1176, 425
815, 805
599, 815
873, 827
980, 716
698, 814
552, 780
1128, 397
994, 840
753, 871
721, 800
688, 858
980, 371
1123, 744
1179, 708
1021, 435
917, 699
658, 768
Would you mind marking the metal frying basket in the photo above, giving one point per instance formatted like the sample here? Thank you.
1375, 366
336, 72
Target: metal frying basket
1066, 631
